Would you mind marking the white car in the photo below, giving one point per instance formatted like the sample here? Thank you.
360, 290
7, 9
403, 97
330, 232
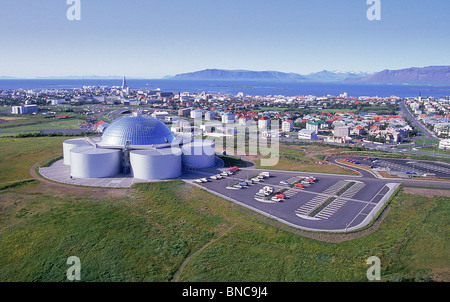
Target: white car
204, 180
214, 177
277, 199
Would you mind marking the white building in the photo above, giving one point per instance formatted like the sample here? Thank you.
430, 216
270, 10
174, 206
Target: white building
264, 123
24, 109
287, 126
228, 118
196, 114
307, 134
343, 131
444, 144
160, 115
140, 146
314, 126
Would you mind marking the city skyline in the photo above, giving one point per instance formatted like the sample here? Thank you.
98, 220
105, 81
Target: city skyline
153, 39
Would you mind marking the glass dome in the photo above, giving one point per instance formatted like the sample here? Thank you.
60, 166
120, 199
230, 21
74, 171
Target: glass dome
136, 130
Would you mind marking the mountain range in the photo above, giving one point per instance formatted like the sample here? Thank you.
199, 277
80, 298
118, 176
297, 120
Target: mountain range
432, 75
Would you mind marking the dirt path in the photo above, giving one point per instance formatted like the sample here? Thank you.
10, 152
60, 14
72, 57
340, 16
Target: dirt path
180, 270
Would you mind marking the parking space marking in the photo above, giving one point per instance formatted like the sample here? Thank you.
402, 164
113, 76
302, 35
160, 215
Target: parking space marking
339, 202
317, 201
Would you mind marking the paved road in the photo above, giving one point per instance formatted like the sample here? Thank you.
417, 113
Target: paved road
409, 116
366, 175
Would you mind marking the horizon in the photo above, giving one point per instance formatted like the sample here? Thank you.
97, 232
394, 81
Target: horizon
153, 39
114, 77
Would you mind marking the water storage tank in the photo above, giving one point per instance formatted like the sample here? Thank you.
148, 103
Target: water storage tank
90, 162
70, 144
199, 154
156, 164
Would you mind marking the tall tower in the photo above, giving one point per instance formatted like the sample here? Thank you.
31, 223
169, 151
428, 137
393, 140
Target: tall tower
124, 83
125, 88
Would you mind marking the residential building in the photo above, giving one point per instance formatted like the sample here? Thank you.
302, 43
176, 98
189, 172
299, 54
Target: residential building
287, 126
264, 123
307, 134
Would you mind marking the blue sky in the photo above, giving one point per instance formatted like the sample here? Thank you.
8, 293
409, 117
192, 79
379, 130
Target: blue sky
154, 38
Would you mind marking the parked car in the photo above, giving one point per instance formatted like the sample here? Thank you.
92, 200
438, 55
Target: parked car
299, 185
284, 182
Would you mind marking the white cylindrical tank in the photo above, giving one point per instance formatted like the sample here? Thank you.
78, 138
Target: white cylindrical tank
70, 144
90, 162
199, 154
156, 164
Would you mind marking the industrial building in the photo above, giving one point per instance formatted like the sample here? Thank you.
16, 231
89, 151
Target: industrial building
140, 146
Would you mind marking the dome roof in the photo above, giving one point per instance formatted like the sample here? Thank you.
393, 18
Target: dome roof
137, 130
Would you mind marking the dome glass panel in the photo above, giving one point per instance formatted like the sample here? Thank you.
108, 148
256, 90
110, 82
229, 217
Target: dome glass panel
137, 130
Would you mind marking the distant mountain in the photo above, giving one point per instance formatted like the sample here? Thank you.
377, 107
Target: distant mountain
220, 74
335, 76
432, 75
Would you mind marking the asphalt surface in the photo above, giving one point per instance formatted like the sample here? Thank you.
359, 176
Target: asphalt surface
401, 167
358, 197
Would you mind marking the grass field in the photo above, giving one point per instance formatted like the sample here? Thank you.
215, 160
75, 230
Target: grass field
44, 125
307, 158
172, 231
17, 155
434, 150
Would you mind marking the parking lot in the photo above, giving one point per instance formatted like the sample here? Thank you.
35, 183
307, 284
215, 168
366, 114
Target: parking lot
331, 203
405, 167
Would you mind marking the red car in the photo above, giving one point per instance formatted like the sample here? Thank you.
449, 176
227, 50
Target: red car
281, 196
299, 185
234, 169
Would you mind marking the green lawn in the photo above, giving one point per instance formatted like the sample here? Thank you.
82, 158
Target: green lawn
17, 155
434, 150
146, 233
46, 125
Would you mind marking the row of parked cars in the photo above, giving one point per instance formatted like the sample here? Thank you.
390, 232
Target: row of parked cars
305, 182
353, 161
231, 171
253, 180
371, 159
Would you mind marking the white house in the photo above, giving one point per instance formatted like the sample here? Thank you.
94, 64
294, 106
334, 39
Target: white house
287, 126
307, 134
444, 144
